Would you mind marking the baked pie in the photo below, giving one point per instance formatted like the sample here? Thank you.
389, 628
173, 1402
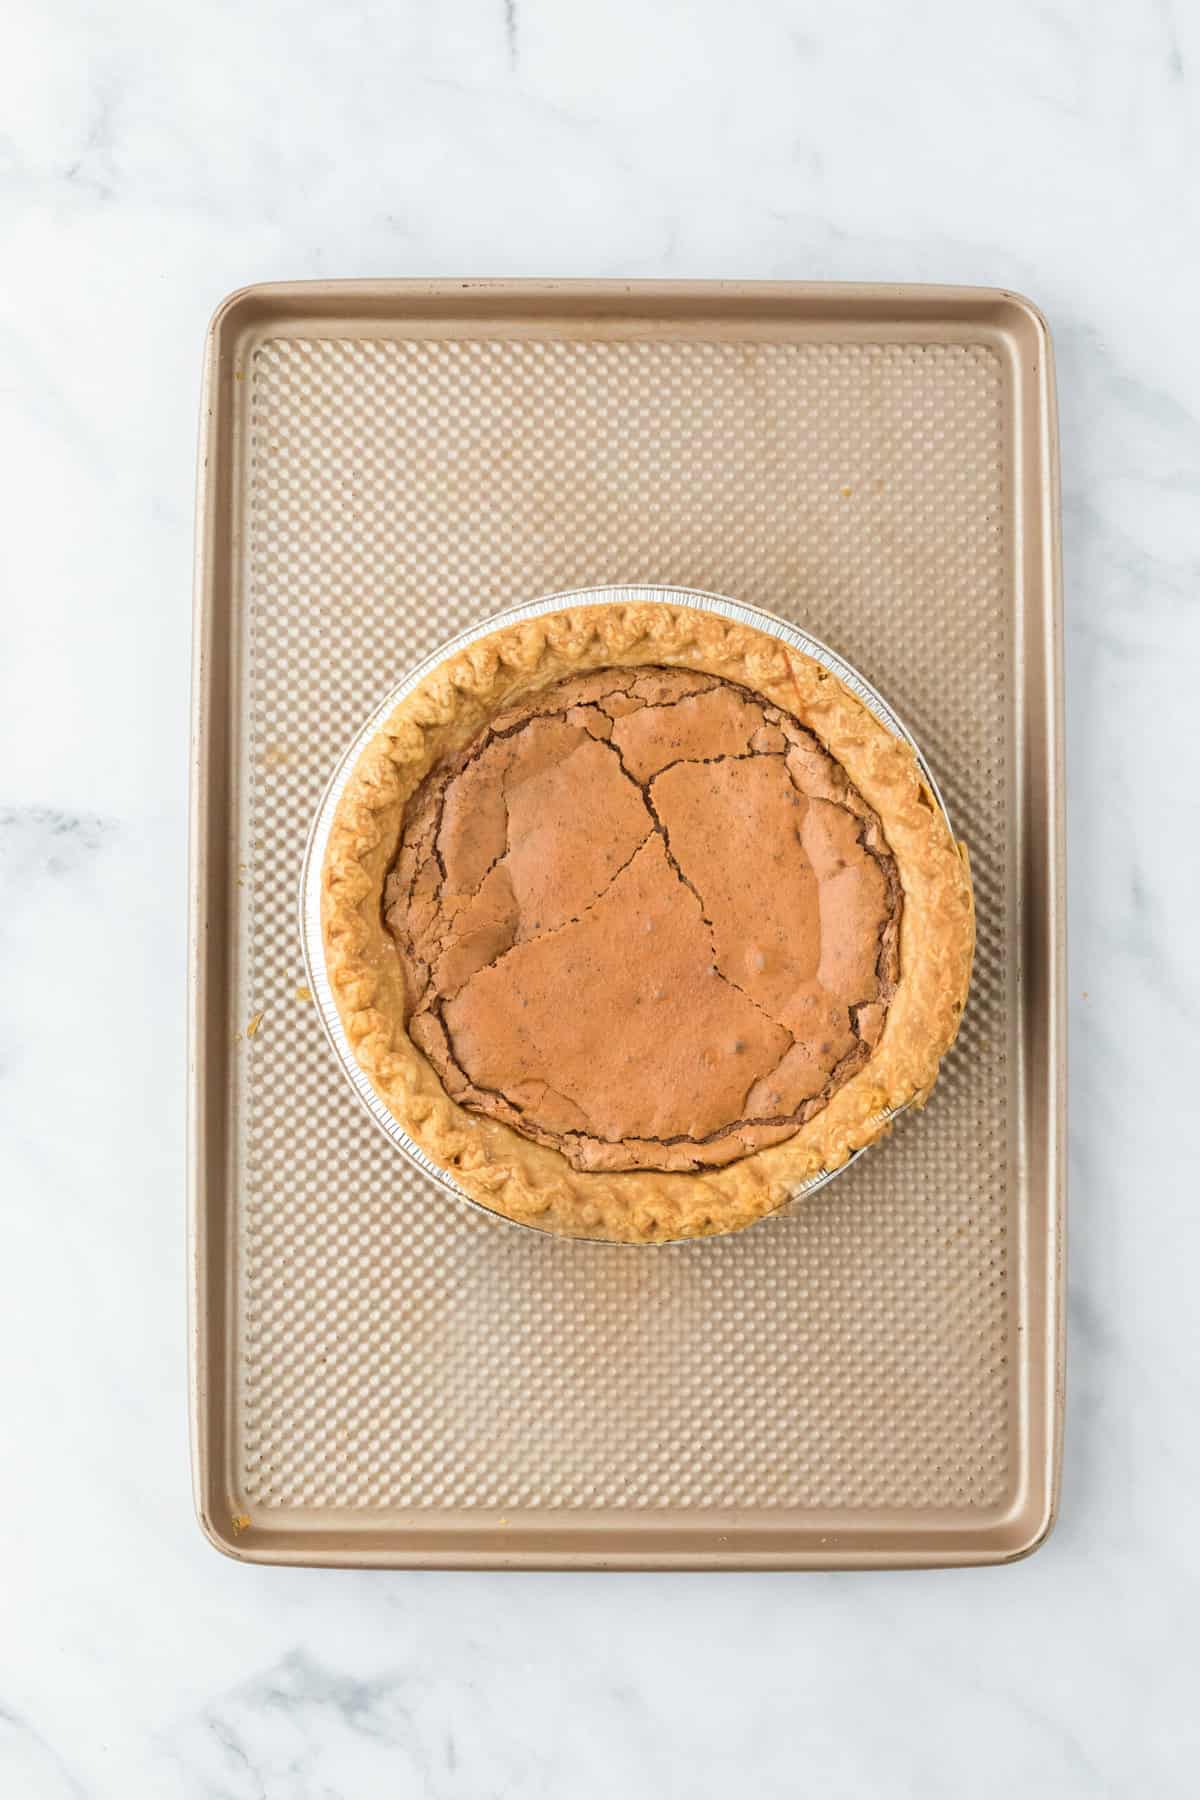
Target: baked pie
637, 919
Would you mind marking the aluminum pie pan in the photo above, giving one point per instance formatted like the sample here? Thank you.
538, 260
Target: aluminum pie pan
311, 934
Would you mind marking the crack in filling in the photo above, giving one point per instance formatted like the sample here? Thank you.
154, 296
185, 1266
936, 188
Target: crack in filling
645, 918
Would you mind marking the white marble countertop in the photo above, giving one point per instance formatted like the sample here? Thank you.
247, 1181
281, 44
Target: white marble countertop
154, 157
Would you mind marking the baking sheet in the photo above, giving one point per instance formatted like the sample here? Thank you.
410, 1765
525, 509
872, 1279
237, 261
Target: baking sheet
381, 1375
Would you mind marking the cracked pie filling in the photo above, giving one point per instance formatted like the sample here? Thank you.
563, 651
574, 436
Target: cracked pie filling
646, 919
630, 948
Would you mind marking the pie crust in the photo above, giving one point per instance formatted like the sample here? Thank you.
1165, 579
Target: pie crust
560, 1183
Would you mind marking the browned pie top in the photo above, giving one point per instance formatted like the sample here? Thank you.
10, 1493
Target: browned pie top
645, 918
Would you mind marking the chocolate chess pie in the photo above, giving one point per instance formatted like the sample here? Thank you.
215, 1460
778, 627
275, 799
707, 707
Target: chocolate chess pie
637, 919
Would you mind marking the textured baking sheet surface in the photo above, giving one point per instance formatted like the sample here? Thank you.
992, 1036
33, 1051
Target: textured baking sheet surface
394, 1350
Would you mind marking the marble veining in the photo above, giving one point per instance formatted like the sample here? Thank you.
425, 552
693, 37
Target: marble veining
152, 159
